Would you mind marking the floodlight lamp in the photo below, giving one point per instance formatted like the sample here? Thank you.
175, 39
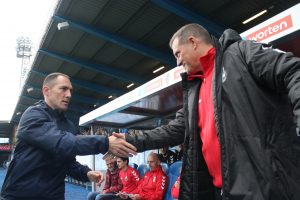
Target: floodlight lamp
130, 85
159, 69
255, 16
112, 97
63, 25
29, 89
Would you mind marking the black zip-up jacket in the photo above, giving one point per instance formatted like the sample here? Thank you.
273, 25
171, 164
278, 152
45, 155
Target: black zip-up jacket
256, 96
45, 153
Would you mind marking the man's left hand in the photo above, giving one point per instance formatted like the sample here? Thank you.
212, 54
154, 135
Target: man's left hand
95, 176
135, 197
119, 147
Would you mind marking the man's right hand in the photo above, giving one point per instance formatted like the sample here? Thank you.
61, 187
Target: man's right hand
177, 184
122, 195
119, 147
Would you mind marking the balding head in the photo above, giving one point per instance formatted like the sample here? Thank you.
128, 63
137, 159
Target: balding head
50, 80
57, 91
153, 161
189, 30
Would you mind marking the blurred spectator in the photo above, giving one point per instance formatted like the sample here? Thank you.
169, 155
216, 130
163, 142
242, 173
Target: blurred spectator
85, 131
179, 152
102, 131
167, 156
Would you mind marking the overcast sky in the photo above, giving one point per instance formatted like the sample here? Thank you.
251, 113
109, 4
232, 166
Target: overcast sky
18, 18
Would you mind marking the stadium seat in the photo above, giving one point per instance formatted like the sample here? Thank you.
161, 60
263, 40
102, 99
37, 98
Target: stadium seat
165, 167
142, 169
174, 172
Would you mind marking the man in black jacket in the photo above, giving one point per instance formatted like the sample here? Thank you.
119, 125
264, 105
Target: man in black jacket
239, 121
47, 145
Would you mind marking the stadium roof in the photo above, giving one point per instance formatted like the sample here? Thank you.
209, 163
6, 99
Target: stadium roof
107, 45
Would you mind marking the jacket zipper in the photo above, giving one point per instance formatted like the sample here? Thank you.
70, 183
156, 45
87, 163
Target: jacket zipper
218, 120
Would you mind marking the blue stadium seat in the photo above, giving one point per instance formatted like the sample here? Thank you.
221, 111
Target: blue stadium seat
142, 169
133, 165
174, 172
165, 167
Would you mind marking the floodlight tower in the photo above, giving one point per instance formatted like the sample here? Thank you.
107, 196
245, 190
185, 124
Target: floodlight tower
24, 47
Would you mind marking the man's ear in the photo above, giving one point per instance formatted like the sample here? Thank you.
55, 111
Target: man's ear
45, 90
193, 41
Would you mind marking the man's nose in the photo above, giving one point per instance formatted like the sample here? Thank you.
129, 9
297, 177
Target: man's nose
69, 94
178, 61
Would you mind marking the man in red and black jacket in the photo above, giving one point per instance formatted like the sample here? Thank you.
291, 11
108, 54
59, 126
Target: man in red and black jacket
113, 182
240, 120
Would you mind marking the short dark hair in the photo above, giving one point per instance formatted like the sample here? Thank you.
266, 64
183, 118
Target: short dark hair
125, 159
188, 30
51, 77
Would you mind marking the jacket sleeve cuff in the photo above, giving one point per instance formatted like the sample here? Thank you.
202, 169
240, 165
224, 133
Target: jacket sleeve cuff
105, 146
129, 138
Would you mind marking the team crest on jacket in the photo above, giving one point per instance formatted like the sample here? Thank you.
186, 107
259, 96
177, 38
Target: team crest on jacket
271, 48
154, 179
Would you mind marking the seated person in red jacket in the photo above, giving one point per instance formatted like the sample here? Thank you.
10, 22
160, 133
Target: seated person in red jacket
175, 189
154, 184
112, 185
130, 178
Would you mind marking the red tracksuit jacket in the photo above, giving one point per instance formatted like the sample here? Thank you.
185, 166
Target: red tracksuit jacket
113, 182
154, 185
130, 180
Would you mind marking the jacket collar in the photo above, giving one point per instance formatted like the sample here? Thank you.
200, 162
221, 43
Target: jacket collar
229, 37
206, 62
53, 112
158, 168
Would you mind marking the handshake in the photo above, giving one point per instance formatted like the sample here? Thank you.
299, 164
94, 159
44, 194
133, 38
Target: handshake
119, 147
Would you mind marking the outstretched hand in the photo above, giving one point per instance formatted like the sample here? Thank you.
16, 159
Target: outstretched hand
136, 197
122, 195
95, 176
119, 147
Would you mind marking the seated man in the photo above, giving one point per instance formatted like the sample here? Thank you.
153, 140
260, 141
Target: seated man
167, 156
154, 184
130, 178
112, 182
